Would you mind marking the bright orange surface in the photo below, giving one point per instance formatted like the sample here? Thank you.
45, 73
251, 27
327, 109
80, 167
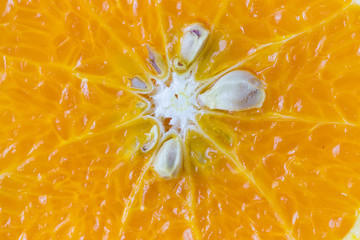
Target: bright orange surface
70, 126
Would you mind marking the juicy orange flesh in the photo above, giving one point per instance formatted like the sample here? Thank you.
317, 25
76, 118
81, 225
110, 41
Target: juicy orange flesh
71, 129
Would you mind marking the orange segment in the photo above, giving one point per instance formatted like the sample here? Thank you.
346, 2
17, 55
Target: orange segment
161, 210
43, 106
309, 76
225, 207
276, 153
226, 200
126, 22
82, 41
71, 192
259, 23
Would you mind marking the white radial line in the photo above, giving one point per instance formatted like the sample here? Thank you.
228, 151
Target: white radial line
161, 25
272, 117
192, 207
132, 196
336, 106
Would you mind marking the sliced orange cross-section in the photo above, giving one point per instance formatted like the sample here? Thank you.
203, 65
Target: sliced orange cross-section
179, 119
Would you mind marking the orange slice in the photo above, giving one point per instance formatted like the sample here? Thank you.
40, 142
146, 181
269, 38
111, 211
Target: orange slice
179, 119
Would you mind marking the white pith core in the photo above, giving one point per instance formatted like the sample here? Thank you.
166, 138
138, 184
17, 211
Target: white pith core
176, 101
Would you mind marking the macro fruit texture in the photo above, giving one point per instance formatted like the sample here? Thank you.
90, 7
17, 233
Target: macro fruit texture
179, 119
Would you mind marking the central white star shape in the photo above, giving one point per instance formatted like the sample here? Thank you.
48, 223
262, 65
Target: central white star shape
178, 98
176, 101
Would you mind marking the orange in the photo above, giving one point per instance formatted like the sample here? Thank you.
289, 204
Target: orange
88, 101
